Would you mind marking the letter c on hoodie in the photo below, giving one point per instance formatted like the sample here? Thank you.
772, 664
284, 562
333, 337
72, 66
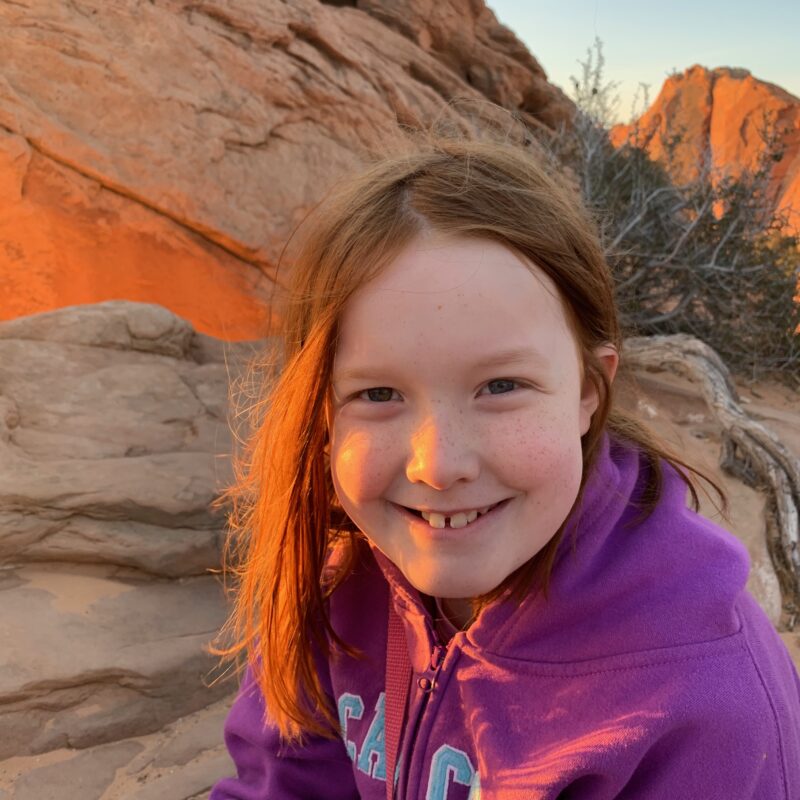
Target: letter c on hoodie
350, 706
447, 763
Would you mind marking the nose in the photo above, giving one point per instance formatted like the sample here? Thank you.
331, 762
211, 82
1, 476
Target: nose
442, 453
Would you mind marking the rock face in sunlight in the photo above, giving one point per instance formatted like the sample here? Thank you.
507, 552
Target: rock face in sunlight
163, 152
718, 114
113, 432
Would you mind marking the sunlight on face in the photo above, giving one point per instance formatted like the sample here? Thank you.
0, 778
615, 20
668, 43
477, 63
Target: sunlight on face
423, 418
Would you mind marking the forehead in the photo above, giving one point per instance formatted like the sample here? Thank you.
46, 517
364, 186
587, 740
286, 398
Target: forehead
447, 299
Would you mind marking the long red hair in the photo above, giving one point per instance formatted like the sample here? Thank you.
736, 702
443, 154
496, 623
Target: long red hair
285, 519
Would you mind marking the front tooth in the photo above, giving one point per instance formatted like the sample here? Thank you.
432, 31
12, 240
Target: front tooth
458, 520
472, 516
434, 520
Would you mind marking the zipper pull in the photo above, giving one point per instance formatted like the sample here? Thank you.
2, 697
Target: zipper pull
437, 656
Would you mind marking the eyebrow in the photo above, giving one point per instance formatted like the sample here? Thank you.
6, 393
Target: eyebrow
507, 357
511, 355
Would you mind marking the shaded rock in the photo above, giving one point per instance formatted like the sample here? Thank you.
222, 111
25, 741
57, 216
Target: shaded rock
114, 442
180, 762
168, 552
87, 774
100, 654
675, 410
186, 193
151, 329
111, 453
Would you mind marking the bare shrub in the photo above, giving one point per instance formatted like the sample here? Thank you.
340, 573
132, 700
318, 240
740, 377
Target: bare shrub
708, 257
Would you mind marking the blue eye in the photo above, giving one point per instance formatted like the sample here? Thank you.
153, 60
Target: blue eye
378, 394
507, 385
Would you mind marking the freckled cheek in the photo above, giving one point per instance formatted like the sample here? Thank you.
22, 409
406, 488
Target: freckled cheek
361, 467
542, 451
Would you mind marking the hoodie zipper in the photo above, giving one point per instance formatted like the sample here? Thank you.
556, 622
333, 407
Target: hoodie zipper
426, 684
437, 657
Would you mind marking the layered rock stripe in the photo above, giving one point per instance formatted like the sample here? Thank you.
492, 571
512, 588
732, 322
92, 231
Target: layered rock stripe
114, 442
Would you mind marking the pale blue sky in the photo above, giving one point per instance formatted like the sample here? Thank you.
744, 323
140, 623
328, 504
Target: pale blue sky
644, 42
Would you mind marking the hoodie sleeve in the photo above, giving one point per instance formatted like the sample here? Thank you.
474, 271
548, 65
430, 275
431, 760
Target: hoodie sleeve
730, 730
700, 758
268, 770
682, 765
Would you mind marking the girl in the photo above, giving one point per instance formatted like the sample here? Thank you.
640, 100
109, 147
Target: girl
459, 565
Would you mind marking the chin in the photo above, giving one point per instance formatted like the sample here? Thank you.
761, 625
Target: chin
445, 586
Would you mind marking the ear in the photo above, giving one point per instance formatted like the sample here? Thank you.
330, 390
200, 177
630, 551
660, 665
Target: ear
609, 359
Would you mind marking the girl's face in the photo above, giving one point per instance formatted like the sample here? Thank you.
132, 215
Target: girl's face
457, 385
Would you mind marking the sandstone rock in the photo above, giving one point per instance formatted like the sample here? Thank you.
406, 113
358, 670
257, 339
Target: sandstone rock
675, 410
111, 454
468, 39
164, 152
70, 239
114, 442
118, 325
180, 762
101, 654
87, 774
719, 114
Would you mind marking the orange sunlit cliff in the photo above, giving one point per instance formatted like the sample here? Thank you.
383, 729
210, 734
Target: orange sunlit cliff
164, 152
718, 114
65, 239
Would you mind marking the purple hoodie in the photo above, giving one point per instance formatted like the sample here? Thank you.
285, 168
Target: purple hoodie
649, 673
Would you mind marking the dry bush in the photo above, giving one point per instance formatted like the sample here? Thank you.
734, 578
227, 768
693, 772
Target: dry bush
708, 257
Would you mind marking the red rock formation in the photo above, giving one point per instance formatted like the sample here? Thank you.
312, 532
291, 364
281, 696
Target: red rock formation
164, 152
718, 114
467, 38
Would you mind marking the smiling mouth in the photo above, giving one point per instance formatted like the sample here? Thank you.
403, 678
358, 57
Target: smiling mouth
460, 520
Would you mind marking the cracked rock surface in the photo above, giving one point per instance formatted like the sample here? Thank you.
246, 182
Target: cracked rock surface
114, 441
